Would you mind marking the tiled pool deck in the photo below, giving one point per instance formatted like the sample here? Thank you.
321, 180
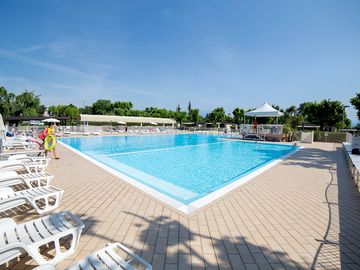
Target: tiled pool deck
303, 213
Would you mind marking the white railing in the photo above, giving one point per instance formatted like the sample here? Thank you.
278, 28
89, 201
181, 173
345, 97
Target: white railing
262, 129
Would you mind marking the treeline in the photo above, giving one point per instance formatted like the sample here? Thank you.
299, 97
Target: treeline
24, 104
325, 113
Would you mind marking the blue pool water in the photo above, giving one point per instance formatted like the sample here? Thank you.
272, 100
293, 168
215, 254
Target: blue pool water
184, 167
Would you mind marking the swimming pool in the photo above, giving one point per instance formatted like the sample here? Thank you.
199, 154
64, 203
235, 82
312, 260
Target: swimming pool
184, 168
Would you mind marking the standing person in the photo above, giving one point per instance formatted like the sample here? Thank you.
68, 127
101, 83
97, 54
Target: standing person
39, 139
51, 138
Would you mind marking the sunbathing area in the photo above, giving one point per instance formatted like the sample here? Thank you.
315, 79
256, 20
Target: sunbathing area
300, 214
179, 135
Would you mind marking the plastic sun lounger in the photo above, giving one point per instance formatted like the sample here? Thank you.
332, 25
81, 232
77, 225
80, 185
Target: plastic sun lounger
42, 199
28, 237
106, 259
11, 178
17, 165
8, 145
25, 158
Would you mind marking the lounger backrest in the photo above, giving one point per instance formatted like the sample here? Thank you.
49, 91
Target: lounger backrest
5, 192
7, 174
6, 225
19, 156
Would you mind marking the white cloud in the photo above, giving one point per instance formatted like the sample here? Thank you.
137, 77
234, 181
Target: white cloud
89, 84
50, 66
33, 48
53, 48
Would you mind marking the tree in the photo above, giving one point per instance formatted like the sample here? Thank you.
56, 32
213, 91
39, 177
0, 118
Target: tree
137, 113
189, 107
28, 104
72, 111
6, 101
64, 110
102, 107
194, 116
180, 117
178, 109
53, 110
355, 101
156, 112
217, 116
291, 110
310, 111
238, 115
122, 108
326, 113
86, 110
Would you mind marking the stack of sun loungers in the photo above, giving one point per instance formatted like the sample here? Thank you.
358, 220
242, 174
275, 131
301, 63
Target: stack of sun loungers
23, 181
353, 162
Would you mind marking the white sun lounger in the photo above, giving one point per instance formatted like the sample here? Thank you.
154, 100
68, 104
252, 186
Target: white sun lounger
17, 165
16, 144
11, 178
42, 199
106, 259
25, 158
28, 237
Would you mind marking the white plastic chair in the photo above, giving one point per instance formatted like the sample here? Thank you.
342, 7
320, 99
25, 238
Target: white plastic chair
42, 199
31, 180
28, 237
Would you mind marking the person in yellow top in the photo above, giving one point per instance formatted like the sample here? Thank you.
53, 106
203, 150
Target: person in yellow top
50, 140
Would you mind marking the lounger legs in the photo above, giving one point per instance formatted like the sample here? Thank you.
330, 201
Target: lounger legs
38, 181
34, 251
46, 200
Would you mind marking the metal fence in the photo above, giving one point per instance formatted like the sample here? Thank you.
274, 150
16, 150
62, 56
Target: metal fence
261, 129
334, 137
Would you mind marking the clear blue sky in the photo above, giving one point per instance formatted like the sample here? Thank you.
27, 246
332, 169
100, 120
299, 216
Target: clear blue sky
164, 53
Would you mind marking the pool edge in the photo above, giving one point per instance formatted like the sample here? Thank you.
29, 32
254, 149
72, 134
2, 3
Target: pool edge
183, 208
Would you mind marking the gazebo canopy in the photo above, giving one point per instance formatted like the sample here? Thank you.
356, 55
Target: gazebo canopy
264, 110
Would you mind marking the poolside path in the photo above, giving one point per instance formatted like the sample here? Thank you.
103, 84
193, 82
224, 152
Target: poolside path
303, 213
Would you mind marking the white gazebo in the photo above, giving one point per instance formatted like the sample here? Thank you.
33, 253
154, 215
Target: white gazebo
264, 110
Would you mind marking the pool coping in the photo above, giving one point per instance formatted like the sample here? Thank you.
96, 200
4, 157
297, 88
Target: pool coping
199, 203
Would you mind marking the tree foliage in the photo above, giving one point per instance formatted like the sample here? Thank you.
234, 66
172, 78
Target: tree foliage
102, 106
218, 115
355, 101
122, 108
24, 104
6, 101
238, 115
325, 113
194, 116
64, 110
